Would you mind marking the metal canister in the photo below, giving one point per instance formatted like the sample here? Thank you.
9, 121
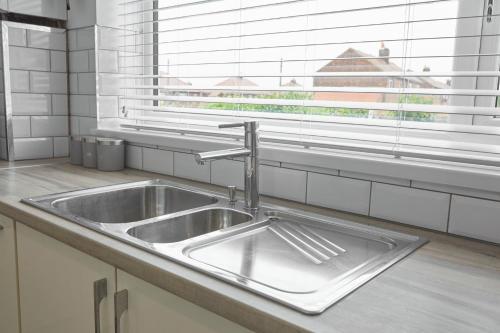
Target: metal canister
110, 154
89, 150
75, 150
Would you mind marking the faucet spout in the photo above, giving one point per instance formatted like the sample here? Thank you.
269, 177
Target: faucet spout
219, 154
251, 154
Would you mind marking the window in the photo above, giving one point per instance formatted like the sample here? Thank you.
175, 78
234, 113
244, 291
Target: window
412, 78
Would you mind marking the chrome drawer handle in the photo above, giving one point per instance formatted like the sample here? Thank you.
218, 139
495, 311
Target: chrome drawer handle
121, 305
100, 292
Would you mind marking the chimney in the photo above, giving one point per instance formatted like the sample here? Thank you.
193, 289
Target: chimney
384, 52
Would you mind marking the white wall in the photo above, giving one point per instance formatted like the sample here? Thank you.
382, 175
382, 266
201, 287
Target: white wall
46, 8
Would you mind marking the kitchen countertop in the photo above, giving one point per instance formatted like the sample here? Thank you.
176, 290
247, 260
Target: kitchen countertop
451, 284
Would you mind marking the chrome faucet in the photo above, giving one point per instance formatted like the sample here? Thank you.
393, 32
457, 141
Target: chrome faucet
251, 154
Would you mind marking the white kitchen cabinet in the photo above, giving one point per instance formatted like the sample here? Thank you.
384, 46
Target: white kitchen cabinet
9, 320
154, 310
56, 286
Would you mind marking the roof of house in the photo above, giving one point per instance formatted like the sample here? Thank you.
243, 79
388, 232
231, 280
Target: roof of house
172, 81
292, 83
236, 82
353, 60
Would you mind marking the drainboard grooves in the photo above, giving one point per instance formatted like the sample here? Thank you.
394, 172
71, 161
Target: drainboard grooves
323, 239
278, 231
313, 246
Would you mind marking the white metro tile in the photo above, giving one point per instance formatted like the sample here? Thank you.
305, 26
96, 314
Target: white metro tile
21, 127
133, 157
79, 61
74, 122
61, 146
19, 81
421, 208
73, 83
475, 218
283, 183
47, 40
86, 83
185, 166
44, 8
456, 190
33, 148
31, 104
157, 160
58, 61
47, 82
71, 40
42, 126
17, 37
375, 178
87, 125
79, 105
85, 39
310, 168
351, 195
91, 60
228, 172
60, 105
26, 58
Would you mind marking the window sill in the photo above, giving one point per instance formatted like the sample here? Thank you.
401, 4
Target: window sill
442, 173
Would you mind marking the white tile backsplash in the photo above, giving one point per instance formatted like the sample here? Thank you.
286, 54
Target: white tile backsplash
87, 125
159, 161
33, 148
47, 40
47, 82
283, 183
27, 58
58, 61
73, 83
379, 179
421, 208
61, 146
79, 61
60, 105
42, 126
79, 105
19, 81
31, 104
17, 37
475, 218
87, 83
85, 39
21, 126
351, 195
185, 166
133, 157
228, 172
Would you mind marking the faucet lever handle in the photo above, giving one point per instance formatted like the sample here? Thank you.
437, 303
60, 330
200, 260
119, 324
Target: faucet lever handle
231, 125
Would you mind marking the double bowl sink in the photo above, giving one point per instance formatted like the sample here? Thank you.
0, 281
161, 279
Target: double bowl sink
303, 260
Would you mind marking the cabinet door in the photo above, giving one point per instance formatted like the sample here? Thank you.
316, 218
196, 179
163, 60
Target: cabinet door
154, 310
56, 286
9, 319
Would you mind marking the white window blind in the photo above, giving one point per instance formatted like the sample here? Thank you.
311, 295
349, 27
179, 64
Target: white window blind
410, 78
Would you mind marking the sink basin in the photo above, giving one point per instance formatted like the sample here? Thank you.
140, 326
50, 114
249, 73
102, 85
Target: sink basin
303, 260
188, 226
131, 204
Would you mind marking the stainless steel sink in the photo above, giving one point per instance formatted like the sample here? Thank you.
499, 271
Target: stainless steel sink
190, 225
303, 260
130, 204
